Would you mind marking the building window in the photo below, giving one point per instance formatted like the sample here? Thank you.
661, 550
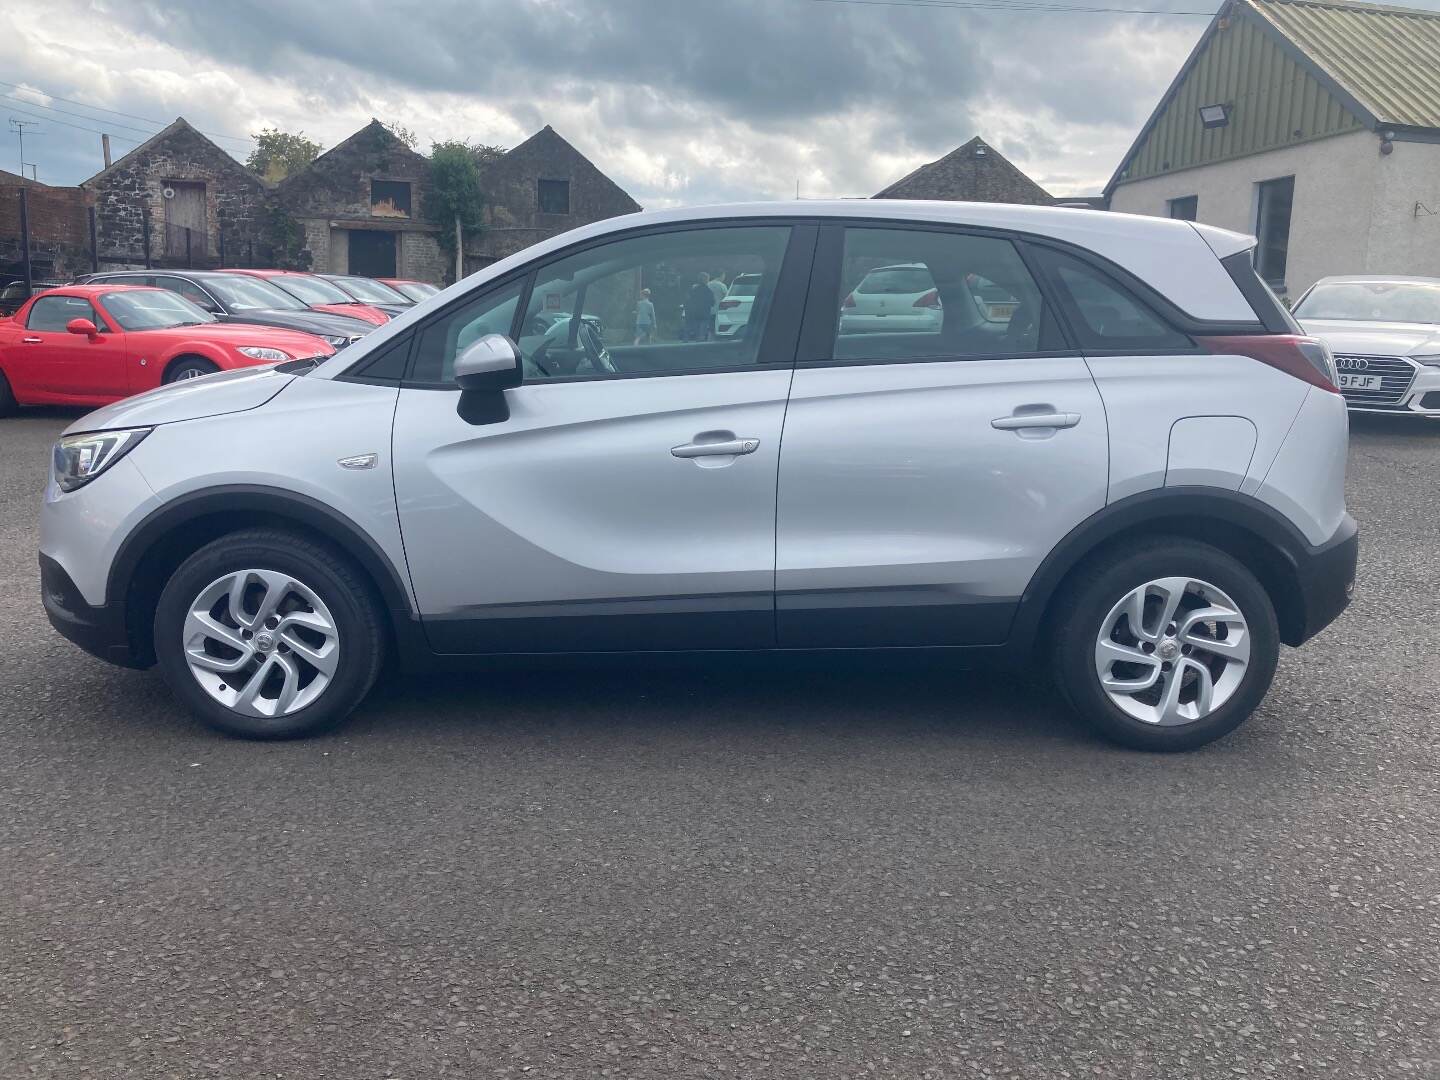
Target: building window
1185, 207
390, 198
554, 196
1272, 227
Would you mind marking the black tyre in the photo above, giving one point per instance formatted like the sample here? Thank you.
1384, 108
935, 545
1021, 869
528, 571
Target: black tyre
8, 404
1166, 644
265, 634
190, 368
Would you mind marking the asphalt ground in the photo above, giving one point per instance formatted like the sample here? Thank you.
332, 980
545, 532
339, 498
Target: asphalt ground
773, 869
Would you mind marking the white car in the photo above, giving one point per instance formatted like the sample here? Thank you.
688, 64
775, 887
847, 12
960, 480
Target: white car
899, 299
1385, 334
734, 309
1135, 481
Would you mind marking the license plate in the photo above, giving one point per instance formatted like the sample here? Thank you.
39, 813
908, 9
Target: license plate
1359, 382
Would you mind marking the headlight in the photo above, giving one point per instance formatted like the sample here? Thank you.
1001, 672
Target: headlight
79, 459
1433, 360
263, 352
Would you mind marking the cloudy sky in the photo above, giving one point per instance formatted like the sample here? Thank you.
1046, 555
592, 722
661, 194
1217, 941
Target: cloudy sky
680, 101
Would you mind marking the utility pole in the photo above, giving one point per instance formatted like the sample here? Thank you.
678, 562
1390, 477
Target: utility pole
19, 126
459, 250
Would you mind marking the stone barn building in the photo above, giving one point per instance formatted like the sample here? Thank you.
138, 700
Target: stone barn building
541, 188
975, 172
177, 199
360, 208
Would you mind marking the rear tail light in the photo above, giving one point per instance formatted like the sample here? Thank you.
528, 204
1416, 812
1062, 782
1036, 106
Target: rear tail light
849, 301
930, 300
727, 304
1304, 357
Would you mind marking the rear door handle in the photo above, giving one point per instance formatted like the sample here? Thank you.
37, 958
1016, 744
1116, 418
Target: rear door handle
730, 448
32, 341
1036, 420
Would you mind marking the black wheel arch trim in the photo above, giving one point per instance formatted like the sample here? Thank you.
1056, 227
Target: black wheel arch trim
1307, 565
302, 509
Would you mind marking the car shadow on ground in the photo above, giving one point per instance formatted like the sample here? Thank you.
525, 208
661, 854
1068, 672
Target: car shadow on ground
781, 694
1399, 426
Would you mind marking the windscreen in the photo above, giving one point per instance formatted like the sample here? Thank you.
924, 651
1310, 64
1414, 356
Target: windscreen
153, 309
239, 293
312, 290
1372, 301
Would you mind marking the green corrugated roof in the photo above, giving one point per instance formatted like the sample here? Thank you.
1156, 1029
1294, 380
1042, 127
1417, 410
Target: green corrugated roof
1386, 58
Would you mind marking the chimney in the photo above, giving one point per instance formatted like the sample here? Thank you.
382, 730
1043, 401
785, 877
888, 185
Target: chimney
105, 148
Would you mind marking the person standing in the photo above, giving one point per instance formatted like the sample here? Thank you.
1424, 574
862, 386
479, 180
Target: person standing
699, 310
644, 319
718, 287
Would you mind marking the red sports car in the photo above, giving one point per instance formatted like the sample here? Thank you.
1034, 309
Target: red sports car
94, 344
319, 294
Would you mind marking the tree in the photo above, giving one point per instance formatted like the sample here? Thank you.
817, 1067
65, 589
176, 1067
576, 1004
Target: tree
403, 133
454, 195
278, 153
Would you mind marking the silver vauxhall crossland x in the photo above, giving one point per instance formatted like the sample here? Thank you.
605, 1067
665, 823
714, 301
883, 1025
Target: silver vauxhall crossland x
1102, 445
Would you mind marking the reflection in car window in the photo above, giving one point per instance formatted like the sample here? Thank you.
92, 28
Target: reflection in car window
907, 294
653, 305
447, 338
153, 309
1372, 301
1106, 315
52, 313
372, 292
312, 290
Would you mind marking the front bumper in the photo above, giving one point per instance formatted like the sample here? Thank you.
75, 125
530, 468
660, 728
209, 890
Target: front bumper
101, 631
1422, 398
1327, 581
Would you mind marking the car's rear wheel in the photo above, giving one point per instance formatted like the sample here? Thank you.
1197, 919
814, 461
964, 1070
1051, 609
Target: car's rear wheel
1166, 646
190, 368
265, 634
8, 403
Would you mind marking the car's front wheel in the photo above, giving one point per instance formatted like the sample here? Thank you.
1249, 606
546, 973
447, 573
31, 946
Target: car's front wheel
1166, 646
265, 634
190, 368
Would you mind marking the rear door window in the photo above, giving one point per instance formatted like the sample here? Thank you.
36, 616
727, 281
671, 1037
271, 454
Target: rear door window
908, 294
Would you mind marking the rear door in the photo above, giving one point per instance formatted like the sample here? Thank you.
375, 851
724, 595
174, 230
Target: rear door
628, 500
925, 474
61, 367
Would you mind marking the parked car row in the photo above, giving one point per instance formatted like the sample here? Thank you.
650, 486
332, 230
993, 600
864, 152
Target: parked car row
113, 334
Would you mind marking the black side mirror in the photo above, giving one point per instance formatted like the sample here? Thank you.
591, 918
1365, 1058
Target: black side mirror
484, 371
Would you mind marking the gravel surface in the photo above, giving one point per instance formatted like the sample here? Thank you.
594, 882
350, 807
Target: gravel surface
753, 870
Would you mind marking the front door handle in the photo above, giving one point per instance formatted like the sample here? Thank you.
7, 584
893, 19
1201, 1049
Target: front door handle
729, 448
1036, 420
32, 341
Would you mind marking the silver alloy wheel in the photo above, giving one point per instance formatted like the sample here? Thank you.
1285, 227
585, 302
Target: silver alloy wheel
189, 373
261, 643
1172, 651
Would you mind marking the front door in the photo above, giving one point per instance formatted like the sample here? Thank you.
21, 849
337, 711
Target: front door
185, 220
60, 367
926, 471
628, 502
372, 253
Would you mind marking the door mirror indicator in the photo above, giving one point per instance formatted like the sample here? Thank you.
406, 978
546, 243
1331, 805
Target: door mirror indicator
484, 371
83, 327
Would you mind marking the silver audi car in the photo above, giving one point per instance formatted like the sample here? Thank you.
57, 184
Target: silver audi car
1116, 458
1385, 335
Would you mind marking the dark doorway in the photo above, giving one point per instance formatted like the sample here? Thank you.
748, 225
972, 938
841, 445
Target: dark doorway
372, 253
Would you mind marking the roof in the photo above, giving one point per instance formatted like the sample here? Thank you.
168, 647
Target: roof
1385, 59
1378, 66
974, 171
1178, 258
95, 290
180, 126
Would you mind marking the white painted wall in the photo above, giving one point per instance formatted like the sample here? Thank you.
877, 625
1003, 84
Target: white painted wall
1354, 209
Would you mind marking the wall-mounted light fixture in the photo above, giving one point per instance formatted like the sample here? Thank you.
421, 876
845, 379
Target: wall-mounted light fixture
1215, 116
1387, 142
